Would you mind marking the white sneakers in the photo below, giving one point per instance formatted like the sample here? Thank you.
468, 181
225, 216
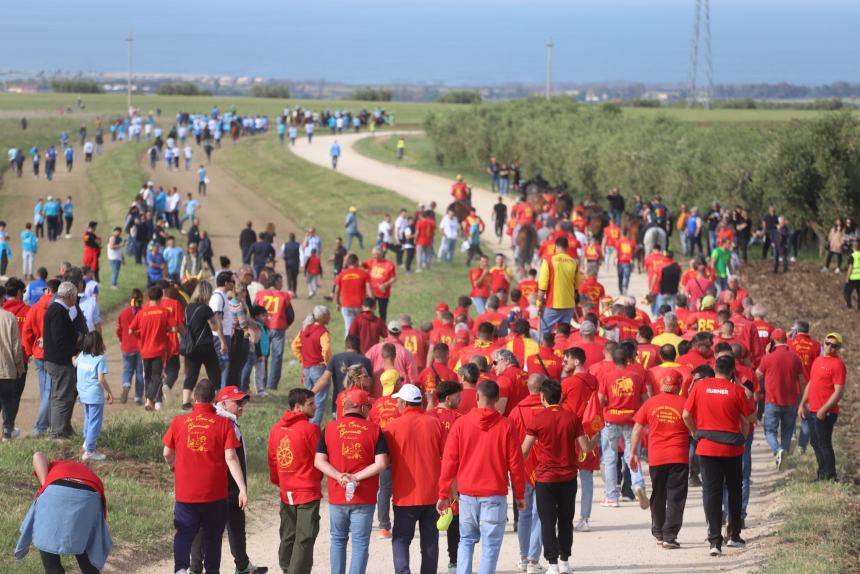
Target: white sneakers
582, 525
564, 567
535, 568
93, 455
644, 503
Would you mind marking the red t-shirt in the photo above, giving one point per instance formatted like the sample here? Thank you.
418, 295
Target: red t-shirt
826, 373
593, 252
576, 390
499, 280
200, 439
807, 350
313, 265
556, 430
127, 343
623, 389
154, 323
446, 416
442, 334
592, 289
380, 272
178, 319
275, 303
415, 442
512, 385
468, 401
547, 362
351, 444
647, 355
706, 321
353, 283
383, 411
479, 289
626, 250
664, 374
718, 405
425, 229
415, 342
668, 436
781, 368
527, 287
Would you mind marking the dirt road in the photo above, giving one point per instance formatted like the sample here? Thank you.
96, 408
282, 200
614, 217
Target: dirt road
620, 540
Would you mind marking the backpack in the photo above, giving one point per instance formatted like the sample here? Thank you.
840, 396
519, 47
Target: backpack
592, 417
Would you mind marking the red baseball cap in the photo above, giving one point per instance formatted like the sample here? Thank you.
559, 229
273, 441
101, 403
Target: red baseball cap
231, 393
442, 307
778, 335
357, 397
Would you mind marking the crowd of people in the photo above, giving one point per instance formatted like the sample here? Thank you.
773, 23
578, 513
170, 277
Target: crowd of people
524, 386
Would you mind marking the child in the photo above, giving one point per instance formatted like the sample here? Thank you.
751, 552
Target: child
313, 270
259, 337
92, 388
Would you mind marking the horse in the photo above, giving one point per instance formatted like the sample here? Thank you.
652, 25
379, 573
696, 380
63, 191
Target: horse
596, 220
526, 243
461, 210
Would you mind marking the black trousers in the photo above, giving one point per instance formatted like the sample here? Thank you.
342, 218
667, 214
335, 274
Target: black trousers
382, 306
10, 399
171, 371
152, 370
851, 286
189, 519
668, 499
403, 531
235, 536
821, 437
410, 258
53, 565
205, 356
718, 471
292, 278
63, 394
454, 539
556, 506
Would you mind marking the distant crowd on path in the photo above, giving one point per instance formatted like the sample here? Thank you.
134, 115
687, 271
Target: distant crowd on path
441, 419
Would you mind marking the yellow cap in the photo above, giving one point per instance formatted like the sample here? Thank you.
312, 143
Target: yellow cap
836, 336
459, 177
353, 209
707, 302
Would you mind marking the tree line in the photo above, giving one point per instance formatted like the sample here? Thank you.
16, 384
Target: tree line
809, 170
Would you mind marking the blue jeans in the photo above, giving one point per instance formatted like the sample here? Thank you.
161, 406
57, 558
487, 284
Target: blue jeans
223, 358
803, 436
383, 500
609, 445
43, 419
349, 314
712, 240
250, 362
480, 304
624, 270
115, 264
528, 530
586, 481
132, 365
276, 356
783, 418
721, 283
446, 249
615, 216
683, 238
311, 376
346, 519
552, 317
482, 519
93, 417
503, 185
661, 300
354, 234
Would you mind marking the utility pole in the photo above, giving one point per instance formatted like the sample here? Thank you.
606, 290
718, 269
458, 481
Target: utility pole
549, 68
701, 29
130, 40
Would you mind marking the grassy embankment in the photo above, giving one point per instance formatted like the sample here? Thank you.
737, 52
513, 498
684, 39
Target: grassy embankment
819, 529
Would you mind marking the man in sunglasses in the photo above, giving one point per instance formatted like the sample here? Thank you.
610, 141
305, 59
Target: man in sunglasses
821, 396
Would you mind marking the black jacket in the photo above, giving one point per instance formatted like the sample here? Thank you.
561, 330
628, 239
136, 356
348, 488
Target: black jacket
59, 338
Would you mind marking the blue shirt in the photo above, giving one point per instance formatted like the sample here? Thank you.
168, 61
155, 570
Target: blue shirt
89, 368
161, 201
70, 153
191, 207
52, 208
38, 211
35, 290
154, 273
201, 174
173, 256
29, 243
335, 150
68, 209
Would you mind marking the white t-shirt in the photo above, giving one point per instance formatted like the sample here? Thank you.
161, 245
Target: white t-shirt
173, 201
450, 227
114, 253
385, 229
219, 304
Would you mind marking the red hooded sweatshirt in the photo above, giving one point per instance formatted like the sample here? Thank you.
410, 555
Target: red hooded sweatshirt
292, 448
482, 450
34, 325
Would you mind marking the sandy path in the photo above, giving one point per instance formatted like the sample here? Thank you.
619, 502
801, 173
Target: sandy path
620, 539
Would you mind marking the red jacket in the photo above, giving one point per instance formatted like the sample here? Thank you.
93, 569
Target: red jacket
292, 448
415, 443
127, 343
522, 416
34, 327
368, 328
481, 452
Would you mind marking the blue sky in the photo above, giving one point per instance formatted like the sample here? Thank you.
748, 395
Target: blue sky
458, 42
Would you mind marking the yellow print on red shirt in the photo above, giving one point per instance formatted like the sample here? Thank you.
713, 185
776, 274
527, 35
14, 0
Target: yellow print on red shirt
284, 453
351, 451
666, 414
622, 386
349, 429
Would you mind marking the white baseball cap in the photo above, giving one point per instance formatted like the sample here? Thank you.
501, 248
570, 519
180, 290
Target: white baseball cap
409, 393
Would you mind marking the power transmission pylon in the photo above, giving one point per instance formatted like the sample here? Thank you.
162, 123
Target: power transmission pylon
701, 29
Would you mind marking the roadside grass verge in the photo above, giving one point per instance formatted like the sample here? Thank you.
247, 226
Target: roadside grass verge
819, 532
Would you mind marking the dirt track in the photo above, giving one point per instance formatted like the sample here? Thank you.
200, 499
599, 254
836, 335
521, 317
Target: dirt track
620, 539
